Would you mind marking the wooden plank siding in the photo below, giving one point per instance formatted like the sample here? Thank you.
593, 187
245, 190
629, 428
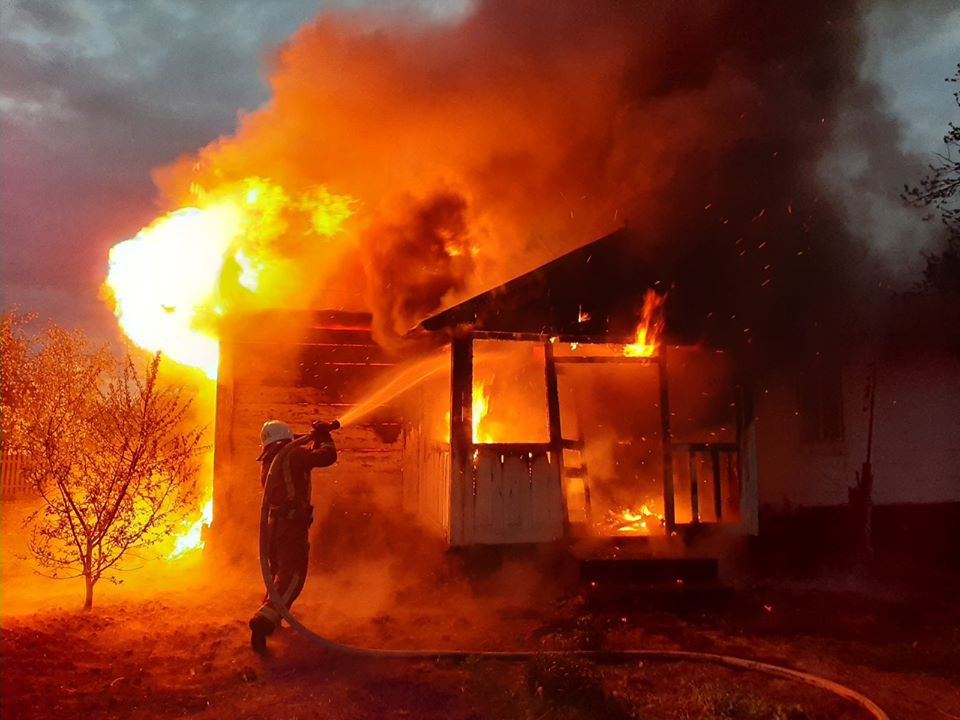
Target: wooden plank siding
515, 498
426, 469
319, 375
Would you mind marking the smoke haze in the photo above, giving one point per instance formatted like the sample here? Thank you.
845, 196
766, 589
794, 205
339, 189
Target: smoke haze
480, 147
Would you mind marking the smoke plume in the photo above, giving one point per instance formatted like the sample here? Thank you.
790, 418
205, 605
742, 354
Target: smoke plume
480, 147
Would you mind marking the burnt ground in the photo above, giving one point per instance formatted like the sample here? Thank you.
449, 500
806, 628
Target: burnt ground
172, 641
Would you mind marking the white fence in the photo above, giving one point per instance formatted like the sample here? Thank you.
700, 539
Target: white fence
13, 481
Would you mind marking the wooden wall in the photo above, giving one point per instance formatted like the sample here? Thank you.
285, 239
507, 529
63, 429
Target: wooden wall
311, 372
515, 497
426, 465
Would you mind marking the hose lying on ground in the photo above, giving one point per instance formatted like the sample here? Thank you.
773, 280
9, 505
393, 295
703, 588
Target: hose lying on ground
663, 655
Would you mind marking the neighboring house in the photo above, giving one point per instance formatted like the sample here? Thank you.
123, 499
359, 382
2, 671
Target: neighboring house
812, 433
814, 427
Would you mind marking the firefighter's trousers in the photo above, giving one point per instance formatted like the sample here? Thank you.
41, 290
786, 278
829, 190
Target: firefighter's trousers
288, 553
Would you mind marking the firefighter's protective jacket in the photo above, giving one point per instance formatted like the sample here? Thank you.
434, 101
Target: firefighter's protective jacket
288, 470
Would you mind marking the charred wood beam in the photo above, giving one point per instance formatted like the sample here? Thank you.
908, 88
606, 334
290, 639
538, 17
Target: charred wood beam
515, 448
551, 337
694, 490
556, 433
705, 447
553, 397
603, 359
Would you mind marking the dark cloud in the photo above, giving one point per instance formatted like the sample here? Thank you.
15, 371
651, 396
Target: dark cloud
50, 16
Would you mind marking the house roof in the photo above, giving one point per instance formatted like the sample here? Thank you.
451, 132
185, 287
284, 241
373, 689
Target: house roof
594, 291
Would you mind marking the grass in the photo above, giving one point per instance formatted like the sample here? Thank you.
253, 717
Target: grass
714, 701
571, 688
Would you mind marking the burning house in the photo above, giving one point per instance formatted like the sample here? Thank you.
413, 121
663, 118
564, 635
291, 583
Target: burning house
562, 406
565, 417
461, 153
555, 406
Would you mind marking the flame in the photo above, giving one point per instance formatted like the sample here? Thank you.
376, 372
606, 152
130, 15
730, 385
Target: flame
481, 406
171, 283
163, 278
168, 281
636, 522
192, 538
649, 328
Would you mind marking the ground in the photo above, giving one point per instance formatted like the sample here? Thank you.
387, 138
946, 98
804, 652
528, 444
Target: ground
172, 641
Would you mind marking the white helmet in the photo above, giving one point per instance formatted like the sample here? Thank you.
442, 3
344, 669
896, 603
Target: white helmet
271, 432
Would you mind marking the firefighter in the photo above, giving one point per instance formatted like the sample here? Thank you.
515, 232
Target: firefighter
287, 461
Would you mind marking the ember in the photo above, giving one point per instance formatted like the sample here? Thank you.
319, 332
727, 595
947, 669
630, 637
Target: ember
642, 521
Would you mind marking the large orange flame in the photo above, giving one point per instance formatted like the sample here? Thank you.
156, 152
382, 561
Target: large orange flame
167, 276
481, 407
168, 281
171, 283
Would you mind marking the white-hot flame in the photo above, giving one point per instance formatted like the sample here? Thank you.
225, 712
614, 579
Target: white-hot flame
164, 277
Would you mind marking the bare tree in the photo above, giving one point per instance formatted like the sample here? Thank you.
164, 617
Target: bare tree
111, 454
940, 190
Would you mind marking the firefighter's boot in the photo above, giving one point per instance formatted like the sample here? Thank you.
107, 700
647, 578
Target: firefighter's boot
260, 628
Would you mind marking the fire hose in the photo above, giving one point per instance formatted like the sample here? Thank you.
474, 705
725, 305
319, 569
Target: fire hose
518, 655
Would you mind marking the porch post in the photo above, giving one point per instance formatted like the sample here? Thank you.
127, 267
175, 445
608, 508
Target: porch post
553, 419
669, 511
461, 434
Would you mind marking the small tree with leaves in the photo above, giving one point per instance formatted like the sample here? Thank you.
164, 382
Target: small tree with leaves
16, 385
940, 191
110, 451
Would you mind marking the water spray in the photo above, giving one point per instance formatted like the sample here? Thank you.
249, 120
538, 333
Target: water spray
404, 379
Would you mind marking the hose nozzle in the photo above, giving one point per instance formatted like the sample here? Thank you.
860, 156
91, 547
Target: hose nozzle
325, 427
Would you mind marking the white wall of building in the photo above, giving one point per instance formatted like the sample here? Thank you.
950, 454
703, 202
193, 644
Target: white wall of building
916, 446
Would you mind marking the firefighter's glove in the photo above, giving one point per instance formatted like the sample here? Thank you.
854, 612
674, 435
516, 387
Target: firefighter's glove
320, 437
